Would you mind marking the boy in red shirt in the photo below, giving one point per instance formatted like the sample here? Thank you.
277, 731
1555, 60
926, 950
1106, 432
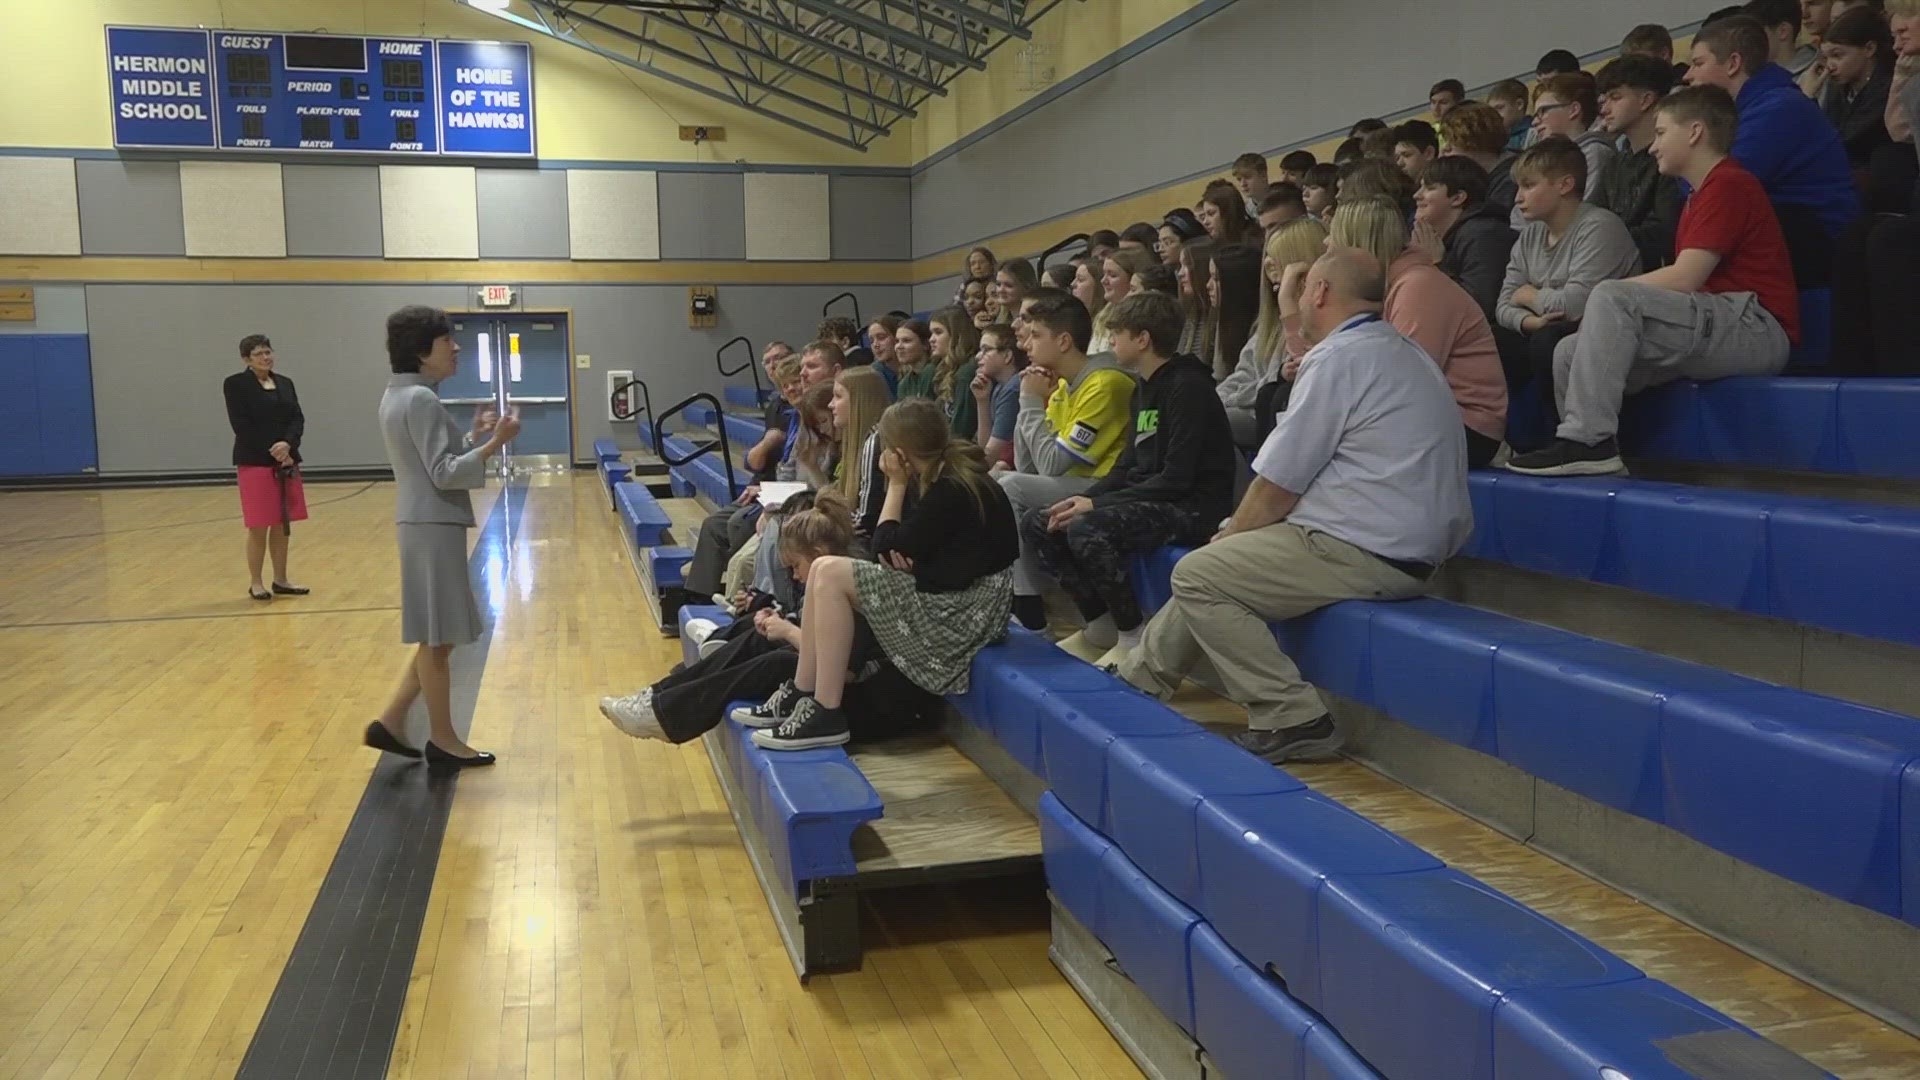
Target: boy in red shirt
1727, 304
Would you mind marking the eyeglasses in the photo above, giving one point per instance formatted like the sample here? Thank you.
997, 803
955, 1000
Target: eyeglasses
1540, 111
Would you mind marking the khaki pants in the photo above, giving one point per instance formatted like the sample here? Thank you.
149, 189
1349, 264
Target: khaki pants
1225, 593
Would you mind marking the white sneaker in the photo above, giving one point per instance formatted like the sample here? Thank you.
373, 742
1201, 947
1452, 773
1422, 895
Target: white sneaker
699, 630
710, 646
722, 600
633, 714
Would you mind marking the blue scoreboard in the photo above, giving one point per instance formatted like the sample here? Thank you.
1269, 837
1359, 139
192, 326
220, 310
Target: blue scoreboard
319, 93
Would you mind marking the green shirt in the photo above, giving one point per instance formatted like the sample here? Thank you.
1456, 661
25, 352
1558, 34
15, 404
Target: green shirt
963, 413
915, 383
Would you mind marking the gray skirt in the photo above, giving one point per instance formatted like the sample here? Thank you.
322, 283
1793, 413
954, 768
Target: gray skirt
436, 598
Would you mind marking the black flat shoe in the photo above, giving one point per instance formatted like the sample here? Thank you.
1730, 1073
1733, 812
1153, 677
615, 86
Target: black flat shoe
259, 594
441, 763
290, 590
384, 741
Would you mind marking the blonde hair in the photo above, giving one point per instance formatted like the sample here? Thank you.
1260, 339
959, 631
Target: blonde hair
963, 340
812, 448
825, 528
867, 400
1132, 262
1298, 241
1373, 225
786, 370
918, 428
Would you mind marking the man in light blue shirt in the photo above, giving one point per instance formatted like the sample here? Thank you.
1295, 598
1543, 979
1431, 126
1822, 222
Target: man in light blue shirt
1360, 493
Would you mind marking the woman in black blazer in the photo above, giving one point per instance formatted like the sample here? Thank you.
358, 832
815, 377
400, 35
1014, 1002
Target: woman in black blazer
267, 425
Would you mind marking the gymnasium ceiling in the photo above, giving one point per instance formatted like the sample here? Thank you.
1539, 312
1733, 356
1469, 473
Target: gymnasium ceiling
841, 70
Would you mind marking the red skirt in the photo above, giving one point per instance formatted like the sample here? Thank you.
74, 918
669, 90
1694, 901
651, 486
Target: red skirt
260, 497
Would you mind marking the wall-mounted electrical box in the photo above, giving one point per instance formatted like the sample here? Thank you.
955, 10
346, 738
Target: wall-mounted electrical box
703, 307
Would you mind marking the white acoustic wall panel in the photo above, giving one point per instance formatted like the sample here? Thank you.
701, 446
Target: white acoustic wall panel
41, 215
233, 209
613, 214
429, 212
788, 216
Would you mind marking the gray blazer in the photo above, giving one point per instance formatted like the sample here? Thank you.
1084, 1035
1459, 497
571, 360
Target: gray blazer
432, 466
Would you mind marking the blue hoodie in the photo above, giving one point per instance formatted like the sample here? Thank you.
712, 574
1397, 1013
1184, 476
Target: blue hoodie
1787, 142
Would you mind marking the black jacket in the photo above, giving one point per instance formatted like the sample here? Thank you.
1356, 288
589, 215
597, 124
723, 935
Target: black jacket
1477, 248
951, 542
1181, 451
1862, 119
262, 417
1631, 186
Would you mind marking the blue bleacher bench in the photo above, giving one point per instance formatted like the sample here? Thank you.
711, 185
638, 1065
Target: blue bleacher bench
668, 565
1856, 427
642, 513
1783, 556
606, 450
806, 804
689, 649
1812, 789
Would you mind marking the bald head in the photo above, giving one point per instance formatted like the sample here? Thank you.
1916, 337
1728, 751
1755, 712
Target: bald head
1342, 283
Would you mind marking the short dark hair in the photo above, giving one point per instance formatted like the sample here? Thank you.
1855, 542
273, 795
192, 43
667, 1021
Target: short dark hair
1378, 144
1449, 86
1255, 164
1732, 11
1860, 28
1740, 35
831, 350
1297, 161
1418, 134
1155, 313
1062, 313
1283, 194
1348, 151
1636, 71
411, 332
1555, 62
252, 342
838, 327
1772, 13
1103, 238
1554, 158
1507, 90
1708, 105
1577, 87
1459, 176
1141, 233
1323, 175
1361, 127
1647, 39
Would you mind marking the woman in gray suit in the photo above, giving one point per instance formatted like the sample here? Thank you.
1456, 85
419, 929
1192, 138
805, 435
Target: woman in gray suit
434, 464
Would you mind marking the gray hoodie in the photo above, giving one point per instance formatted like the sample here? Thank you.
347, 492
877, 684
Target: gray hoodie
1597, 247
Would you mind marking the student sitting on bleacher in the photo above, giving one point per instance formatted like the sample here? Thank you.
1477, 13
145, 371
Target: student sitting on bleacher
1877, 274
1072, 425
1784, 141
1299, 241
726, 529
996, 393
842, 332
859, 398
1172, 483
757, 656
880, 338
1361, 493
1631, 88
939, 592
1726, 306
1473, 240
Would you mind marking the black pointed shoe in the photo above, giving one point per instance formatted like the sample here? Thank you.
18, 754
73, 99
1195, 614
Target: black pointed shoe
384, 741
441, 763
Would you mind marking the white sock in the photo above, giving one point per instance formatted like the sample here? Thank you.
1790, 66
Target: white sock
1100, 633
1130, 639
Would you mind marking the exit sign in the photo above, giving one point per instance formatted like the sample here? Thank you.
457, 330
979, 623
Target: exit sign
496, 296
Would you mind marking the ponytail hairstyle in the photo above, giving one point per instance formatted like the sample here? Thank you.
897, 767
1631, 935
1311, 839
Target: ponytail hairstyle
918, 429
825, 528
867, 399
963, 341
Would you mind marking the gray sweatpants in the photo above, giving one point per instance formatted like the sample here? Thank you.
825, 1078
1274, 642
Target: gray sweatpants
1027, 491
1636, 336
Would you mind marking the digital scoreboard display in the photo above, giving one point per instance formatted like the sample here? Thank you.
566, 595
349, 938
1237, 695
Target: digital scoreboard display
319, 93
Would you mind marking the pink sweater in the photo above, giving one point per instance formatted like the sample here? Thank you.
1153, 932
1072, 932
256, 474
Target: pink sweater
1426, 305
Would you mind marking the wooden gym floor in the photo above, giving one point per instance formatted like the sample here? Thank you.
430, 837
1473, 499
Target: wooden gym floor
183, 772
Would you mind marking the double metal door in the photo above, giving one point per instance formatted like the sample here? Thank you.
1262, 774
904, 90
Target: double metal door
518, 361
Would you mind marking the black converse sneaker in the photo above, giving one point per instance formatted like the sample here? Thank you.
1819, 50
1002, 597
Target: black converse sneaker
811, 725
1568, 458
773, 711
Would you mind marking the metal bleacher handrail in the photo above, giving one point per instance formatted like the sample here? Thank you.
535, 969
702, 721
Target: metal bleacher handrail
826, 309
719, 441
1076, 238
617, 406
751, 366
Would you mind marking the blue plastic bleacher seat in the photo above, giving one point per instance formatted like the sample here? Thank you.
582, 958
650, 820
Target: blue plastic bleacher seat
1874, 419
1847, 426
1328, 1057
1555, 526
1072, 853
1262, 861
1686, 543
1642, 1028
1331, 647
1815, 351
1146, 929
1910, 844
1074, 747
1249, 1024
1433, 666
1586, 716
1806, 787
1819, 552
668, 565
1770, 423
1412, 967
806, 803
1155, 786
740, 395
642, 513
1153, 577
606, 449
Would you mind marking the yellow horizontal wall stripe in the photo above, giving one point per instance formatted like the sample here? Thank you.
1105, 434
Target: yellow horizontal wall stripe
114, 269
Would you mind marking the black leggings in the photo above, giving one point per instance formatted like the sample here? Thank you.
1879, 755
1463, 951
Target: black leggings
1091, 555
1876, 279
